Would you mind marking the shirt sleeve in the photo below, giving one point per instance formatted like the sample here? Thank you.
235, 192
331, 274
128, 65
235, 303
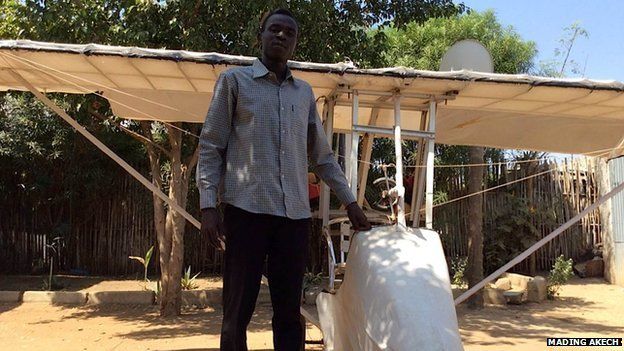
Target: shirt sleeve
214, 139
322, 158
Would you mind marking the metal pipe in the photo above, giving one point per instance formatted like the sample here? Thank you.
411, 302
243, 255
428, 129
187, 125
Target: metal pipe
419, 175
393, 93
398, 151
329, 132
384, 105
430, 156
390, 131
355, 141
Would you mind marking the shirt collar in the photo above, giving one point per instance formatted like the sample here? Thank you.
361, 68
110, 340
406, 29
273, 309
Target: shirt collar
260, 70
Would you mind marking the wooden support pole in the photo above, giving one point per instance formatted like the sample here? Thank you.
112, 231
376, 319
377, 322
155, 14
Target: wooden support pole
82, 130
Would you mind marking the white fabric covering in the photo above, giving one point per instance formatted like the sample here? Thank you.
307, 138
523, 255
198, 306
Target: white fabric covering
580, 116
396, 295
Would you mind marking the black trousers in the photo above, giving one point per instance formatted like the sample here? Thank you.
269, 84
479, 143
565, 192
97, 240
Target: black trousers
250, 238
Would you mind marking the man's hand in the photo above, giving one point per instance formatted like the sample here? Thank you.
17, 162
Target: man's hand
357, 217
212, 228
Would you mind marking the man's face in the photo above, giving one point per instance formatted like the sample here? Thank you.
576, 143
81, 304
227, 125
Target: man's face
279, 37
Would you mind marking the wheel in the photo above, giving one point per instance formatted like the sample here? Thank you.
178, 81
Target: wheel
377, 195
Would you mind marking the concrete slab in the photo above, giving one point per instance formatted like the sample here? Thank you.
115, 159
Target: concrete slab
121, 297
518, 281
537, 289
10, 296
513, 297
56, 297
201, 298
503, 284
213, 297
494, 296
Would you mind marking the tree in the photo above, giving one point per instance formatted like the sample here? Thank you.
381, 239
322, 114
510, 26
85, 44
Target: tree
422, 46
330, 31
562, 65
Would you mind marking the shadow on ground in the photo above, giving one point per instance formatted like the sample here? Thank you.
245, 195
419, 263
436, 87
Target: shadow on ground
208, 349
535, 321
192, 322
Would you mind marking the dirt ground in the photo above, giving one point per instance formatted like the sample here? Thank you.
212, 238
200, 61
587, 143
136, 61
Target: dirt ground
586, 308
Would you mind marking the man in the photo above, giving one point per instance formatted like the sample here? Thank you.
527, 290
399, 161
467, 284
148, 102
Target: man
260, 130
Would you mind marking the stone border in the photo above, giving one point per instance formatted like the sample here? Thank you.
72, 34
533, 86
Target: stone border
200, 298
56, 297
146, 297
11, 296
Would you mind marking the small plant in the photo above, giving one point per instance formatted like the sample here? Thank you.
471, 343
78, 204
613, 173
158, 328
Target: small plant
559, 275
52, 283
144, 261
311, 287
458, 269
188, 282
311, 280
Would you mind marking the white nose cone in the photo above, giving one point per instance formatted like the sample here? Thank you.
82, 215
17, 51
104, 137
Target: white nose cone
396, 295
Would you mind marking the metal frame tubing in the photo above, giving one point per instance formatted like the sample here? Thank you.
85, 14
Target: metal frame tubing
430, 156
398, 152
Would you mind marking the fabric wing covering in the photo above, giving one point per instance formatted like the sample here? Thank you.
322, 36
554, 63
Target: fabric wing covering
396, 295
577, 116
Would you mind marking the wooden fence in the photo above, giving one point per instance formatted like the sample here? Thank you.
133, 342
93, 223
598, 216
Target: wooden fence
101, 236
548, 201
99, 239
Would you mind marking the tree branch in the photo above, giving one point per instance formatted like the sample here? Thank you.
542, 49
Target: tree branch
153, 156
191, 162
141, 138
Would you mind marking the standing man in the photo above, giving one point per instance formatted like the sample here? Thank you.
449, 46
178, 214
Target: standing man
261, 128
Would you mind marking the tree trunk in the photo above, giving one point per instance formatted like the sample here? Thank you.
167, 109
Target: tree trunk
173, 259
475, 225
532, 204
601, 167
169, 224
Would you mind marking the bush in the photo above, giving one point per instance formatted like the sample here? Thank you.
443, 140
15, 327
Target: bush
559, 275
458, 269
188, 282
311, 280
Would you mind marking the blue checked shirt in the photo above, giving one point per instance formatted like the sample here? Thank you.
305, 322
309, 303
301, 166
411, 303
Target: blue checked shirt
256, 141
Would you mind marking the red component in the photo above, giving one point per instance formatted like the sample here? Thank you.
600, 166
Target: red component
314, 191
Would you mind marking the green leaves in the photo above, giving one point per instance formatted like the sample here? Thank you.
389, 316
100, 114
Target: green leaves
560, 273
329, 30
188, 282
422, 46
145, 261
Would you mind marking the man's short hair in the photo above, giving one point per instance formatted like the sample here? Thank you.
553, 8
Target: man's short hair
280, 11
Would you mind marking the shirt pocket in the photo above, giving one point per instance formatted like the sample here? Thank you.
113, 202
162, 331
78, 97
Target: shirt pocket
299, 119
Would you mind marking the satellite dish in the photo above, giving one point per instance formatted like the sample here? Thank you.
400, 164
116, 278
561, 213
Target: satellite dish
467, 54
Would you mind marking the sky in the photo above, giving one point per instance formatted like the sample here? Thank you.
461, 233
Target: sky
602, 53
